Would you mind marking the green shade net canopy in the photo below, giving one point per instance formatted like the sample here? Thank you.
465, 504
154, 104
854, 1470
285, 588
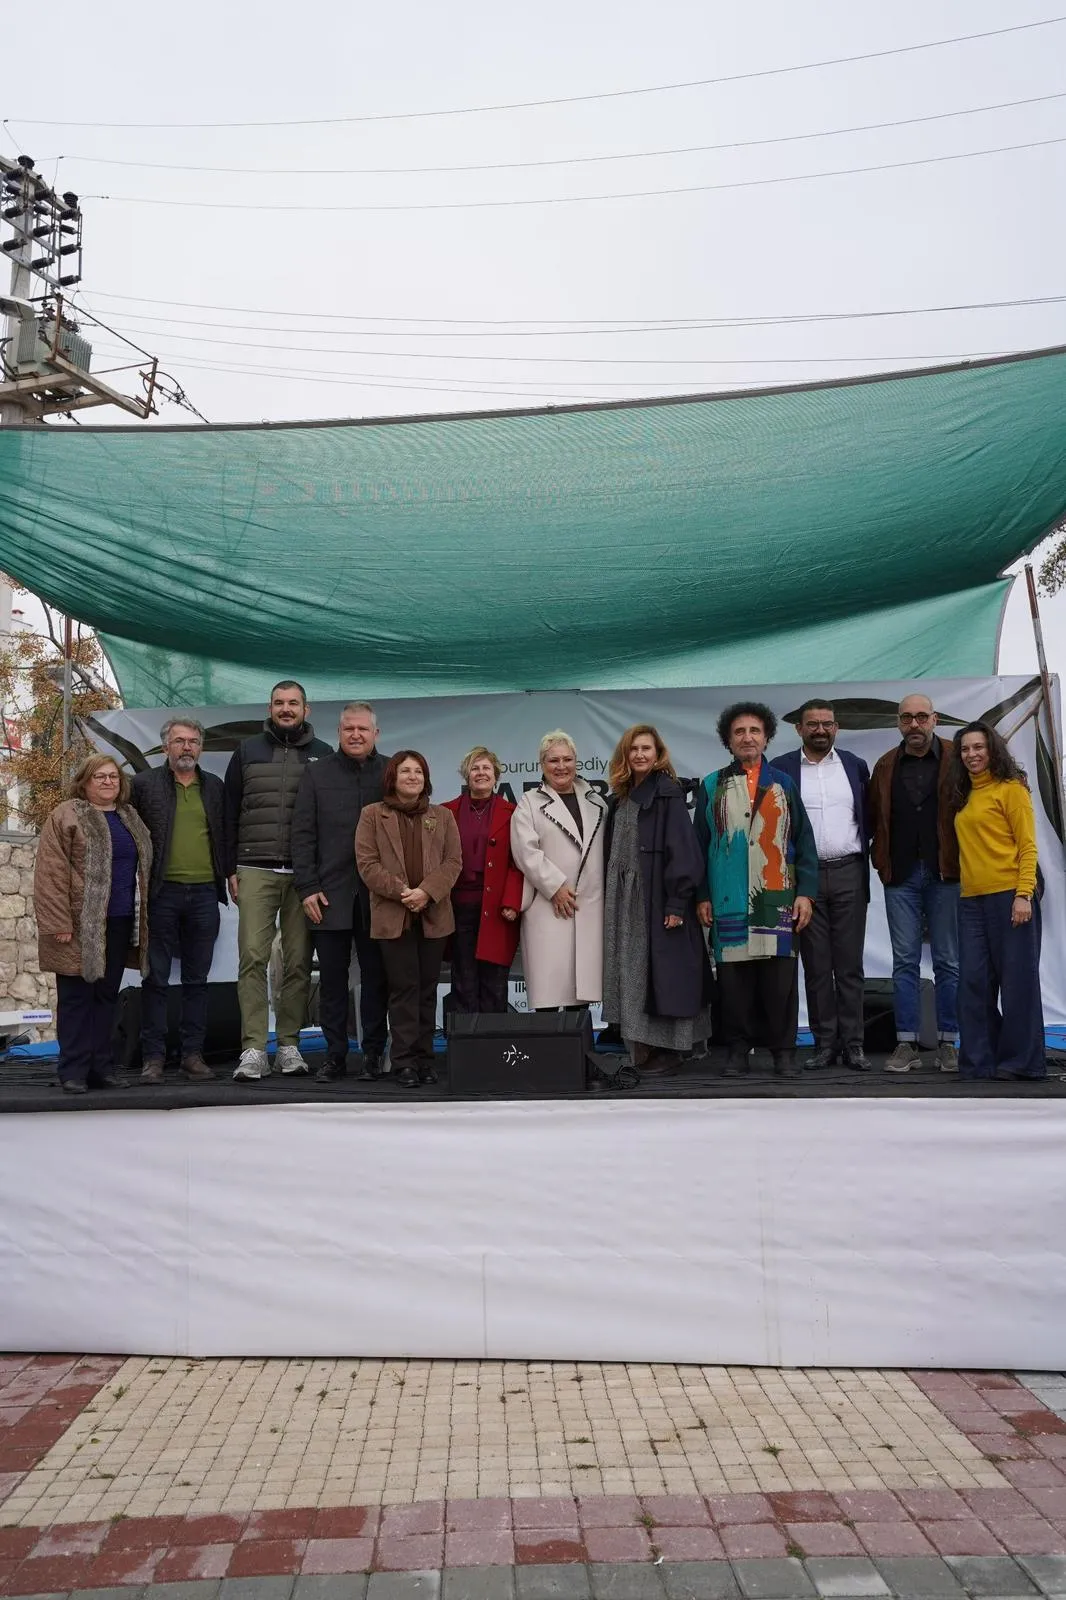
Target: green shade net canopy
851, 530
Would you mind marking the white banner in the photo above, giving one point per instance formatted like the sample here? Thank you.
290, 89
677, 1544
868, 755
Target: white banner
512, 725
809, 1233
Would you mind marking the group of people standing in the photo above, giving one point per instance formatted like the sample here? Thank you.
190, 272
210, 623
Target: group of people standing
611, 897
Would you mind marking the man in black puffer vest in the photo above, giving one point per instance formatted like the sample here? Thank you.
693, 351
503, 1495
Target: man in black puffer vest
261, 783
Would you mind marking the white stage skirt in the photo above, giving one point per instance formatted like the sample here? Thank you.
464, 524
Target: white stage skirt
867, 1232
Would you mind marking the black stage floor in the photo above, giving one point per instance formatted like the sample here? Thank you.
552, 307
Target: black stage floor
29, 1084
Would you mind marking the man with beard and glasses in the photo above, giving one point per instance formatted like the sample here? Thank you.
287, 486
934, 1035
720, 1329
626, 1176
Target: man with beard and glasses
261, 783
916, 854
834, 785
332, 796
184, 810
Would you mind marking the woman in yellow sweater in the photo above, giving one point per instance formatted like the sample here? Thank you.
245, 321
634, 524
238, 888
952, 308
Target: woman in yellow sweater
1001, 1021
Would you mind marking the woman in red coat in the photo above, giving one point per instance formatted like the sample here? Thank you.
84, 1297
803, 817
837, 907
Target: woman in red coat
488, 896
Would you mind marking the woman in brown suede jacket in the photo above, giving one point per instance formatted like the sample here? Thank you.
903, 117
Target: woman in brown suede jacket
90, 897
409, 855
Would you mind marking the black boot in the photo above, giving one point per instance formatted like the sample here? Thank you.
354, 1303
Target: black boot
370, 1066
427, 1072
738, 1062
785, 1064
408, 1077
332, 1070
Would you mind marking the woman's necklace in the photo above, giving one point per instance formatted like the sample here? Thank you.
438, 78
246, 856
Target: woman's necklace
480, 810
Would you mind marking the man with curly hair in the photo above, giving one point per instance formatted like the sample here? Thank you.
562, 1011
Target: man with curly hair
762, 878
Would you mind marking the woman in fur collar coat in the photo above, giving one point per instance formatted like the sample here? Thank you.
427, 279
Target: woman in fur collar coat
90, 894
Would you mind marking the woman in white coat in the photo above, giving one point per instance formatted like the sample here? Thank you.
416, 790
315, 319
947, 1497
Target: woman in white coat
557, 842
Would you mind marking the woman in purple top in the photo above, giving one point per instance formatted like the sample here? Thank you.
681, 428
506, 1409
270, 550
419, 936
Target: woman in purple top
90, 892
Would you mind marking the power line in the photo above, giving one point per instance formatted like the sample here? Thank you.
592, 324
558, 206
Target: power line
443, 381
581, 199
582, 361
585, 322
564, 100
458, 386
567, 161
674, 325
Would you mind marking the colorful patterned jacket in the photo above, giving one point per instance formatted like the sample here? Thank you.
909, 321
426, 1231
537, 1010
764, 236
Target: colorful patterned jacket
758, 860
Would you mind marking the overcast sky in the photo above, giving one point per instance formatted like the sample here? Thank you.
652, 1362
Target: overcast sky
272, 296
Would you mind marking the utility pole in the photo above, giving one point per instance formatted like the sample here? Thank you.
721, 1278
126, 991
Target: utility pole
45, 361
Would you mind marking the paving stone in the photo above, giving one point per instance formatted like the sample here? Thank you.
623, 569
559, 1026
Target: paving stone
919, 1575
836, 1576
962, 1538
256, 1589
1048, 1572
990, 1575
331, 1586
611, 1580
893, 1539
134, 1591
782, 1579
699, 1580
200, 1589
552, 1582
479, 1583
423, 1585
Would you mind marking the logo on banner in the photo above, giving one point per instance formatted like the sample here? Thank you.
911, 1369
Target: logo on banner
512, 1056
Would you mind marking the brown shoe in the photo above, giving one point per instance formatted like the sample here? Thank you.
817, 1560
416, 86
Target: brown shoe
196, 1068
152, 1071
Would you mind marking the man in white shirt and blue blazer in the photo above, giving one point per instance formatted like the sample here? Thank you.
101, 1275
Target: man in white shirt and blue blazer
834, 786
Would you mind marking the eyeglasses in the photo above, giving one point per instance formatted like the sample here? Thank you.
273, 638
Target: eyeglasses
921, 717
193, 744
819, 727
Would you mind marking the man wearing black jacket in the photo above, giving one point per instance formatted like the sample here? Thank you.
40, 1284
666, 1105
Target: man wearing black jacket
329, 802
183, 809
261, 783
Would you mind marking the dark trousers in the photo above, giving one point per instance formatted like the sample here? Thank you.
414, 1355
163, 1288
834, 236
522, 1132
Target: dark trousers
476, 985
1001, 1020
85, 1012
760, 1002
333, 947
831, 946
183, 921
412, 967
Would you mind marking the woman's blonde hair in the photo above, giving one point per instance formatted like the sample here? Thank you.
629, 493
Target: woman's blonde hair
618, 774
476, 754
88, 768
557, 736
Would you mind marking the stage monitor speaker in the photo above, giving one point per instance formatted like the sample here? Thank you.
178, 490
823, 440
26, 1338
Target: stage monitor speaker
879, 1021
222, 1041
530, 1053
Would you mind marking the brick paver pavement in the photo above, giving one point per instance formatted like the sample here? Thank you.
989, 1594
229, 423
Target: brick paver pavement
929, 1484
239, 1436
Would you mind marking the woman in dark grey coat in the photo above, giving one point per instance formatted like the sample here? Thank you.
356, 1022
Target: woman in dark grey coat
657, 976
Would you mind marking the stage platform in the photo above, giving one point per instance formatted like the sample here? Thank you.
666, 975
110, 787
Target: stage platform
840, 1219
28, 1083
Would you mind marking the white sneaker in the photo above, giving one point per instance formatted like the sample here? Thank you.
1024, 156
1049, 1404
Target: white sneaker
289, 1060
253, 1064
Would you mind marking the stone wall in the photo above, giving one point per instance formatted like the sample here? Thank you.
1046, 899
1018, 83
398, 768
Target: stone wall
22, 983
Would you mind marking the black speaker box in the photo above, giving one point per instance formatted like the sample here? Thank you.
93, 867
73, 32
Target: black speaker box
222, 1041
531, 1053
879, 1022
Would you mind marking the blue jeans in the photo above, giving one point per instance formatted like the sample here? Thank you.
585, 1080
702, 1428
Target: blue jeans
183, 920
924, 895
1000, 1015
